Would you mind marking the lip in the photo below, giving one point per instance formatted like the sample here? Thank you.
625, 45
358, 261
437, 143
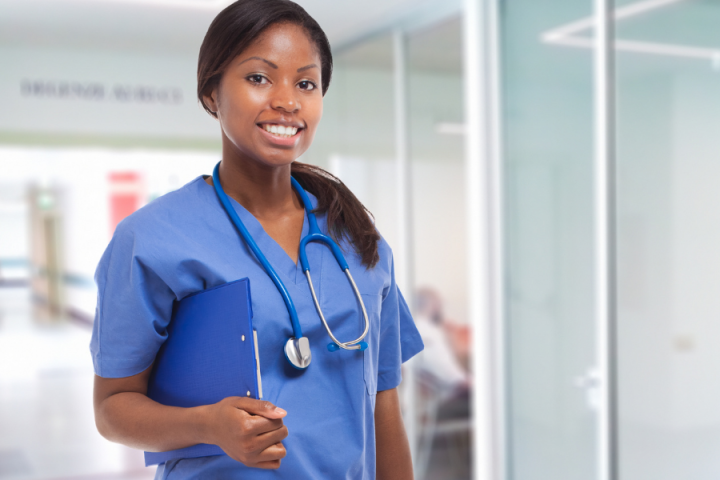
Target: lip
282, 141
282, 122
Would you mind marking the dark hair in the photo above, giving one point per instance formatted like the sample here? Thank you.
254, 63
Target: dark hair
239, 24
231, 32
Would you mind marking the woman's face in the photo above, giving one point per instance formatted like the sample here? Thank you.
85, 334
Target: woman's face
269, 100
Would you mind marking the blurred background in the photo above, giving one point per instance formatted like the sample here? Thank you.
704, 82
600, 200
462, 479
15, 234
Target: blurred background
463, 126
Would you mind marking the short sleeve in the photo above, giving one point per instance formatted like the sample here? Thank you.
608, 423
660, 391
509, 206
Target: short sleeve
134, 307
399, 337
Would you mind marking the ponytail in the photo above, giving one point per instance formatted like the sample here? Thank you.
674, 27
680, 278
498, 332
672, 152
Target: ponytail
347, 218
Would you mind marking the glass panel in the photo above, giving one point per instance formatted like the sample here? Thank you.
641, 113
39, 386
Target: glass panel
435, 109
358, 143
548, 154
668, 232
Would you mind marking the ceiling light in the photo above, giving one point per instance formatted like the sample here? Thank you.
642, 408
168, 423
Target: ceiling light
568, 35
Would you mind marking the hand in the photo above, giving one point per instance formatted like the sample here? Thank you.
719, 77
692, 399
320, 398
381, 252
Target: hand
249, 431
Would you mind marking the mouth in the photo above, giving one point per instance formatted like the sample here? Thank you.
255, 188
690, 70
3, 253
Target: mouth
280, 131
281, 136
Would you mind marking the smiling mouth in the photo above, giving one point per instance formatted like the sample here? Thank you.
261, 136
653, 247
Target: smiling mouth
280, 131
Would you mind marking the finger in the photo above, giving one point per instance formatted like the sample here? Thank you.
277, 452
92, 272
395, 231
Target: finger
271, 465
268, 458
259, 407
265, 441
255, 425
272, 453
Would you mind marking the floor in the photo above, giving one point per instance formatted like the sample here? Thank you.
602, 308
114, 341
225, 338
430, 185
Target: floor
47, 430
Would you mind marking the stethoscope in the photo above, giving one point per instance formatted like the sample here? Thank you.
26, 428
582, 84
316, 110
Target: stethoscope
297, 348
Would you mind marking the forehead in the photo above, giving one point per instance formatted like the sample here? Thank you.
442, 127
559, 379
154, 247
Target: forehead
283, 42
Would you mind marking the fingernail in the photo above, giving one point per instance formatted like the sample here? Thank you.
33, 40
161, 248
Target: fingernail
280, 411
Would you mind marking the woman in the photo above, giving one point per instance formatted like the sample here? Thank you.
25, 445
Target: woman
263, 69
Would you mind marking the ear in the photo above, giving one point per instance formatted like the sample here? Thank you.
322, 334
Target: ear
211, 102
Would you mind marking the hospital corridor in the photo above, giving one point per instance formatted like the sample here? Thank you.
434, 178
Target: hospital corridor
544, 178
46, 392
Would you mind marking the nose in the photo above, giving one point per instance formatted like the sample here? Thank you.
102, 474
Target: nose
285, 99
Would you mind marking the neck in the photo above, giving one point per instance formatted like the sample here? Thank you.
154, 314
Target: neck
264, 190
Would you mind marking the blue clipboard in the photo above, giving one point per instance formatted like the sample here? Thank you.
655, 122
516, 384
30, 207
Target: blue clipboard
210, 353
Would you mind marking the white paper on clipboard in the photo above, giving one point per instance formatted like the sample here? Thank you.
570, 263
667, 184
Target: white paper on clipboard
257, 364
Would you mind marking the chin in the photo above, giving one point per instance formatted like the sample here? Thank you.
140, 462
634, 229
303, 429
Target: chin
273, 159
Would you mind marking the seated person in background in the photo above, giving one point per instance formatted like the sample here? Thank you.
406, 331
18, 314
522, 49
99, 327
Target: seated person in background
438, 365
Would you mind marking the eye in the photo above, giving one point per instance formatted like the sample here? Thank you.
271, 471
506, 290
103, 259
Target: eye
257, 79
307, 85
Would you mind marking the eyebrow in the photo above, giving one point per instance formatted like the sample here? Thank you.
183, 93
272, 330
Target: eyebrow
302, 69
262, 59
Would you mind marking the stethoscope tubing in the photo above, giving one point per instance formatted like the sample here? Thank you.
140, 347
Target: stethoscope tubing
297, 330
314, 235
355, 344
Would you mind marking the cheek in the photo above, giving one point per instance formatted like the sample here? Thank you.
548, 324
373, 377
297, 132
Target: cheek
242, 104
313, 114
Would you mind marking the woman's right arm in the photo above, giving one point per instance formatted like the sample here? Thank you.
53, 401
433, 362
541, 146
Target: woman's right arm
248, 430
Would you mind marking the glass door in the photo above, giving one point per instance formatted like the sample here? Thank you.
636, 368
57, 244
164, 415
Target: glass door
668, 232
548, 152
440, 299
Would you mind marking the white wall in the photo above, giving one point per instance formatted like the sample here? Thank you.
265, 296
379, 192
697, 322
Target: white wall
669, 232
48, 110
668, 268
13, 227
695, 254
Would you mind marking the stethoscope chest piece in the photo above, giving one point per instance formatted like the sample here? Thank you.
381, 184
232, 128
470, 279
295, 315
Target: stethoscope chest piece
297, 351
297, 348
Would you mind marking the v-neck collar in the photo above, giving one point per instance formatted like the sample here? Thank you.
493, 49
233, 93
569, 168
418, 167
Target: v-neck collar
278, 258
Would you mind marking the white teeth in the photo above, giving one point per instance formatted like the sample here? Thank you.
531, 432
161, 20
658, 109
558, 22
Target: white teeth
280, 130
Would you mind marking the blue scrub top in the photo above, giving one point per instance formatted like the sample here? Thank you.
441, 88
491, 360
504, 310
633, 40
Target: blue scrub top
183, 243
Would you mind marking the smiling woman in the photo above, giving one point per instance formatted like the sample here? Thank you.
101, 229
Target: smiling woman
263, 70
257, 100
299, 73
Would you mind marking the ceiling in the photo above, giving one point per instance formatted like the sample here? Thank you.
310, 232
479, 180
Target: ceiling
693, 23
436, 47
175, 26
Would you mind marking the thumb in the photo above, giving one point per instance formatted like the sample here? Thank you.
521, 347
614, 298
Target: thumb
260, 407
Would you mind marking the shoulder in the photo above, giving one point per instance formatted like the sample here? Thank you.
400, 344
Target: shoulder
386, 255
376, 279
162, 230
164, 214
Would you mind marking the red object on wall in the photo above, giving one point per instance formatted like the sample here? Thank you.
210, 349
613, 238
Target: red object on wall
126, 196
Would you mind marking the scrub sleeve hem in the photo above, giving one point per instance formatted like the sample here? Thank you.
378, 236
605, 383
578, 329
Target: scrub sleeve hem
118, 372
390, 380
412, 346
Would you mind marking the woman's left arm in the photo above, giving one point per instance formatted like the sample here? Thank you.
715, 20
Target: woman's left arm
391, 443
